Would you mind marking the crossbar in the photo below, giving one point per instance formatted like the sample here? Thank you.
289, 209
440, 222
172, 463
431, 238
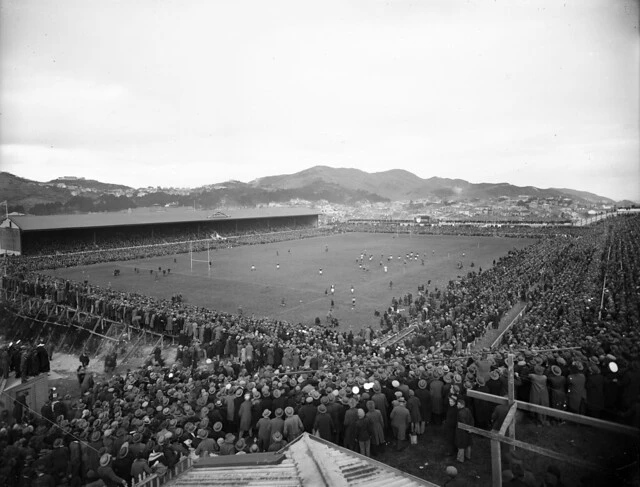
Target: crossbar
532, 448
557, 413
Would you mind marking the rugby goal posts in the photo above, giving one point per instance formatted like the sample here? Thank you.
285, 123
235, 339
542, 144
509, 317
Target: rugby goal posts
198, 261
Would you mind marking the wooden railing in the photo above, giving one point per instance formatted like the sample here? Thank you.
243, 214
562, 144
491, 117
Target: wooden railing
390, 340
155, 480
498, 340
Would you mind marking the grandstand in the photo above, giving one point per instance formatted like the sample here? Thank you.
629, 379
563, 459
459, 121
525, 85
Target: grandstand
29, 234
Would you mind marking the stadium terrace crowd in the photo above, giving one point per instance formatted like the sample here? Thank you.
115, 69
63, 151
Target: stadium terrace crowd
516, 230
107, 239
118, 248
239, 384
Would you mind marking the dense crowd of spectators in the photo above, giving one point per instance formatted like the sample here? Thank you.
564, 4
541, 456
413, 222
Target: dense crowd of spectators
488, 230
119, 248
240, 384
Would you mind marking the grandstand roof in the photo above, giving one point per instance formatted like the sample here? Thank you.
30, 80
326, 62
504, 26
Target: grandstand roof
149, 216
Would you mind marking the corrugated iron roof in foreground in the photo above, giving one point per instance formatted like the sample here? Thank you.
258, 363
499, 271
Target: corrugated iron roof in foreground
146, 216
308, 462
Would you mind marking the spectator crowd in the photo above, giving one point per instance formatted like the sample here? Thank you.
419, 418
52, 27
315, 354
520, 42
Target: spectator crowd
239, 384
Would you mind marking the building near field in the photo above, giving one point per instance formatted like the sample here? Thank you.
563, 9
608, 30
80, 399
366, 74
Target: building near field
34, 392
23, 234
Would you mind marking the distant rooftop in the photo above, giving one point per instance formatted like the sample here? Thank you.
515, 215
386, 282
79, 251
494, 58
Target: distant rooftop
149, 216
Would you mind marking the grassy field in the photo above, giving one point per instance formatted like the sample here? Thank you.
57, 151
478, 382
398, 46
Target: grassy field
232, 283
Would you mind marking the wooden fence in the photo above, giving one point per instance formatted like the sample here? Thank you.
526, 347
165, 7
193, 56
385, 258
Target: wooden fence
155, 480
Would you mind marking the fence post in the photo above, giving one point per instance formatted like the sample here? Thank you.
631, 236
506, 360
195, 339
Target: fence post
511, 396
496, 464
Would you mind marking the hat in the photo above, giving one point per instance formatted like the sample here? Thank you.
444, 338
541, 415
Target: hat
137, 438
451, 471
279, 412
202, 433
288, 411
124, 450
322, 408
105, 459
495, 375
480, 380
555, 370
395, 383
277, 436
240, 444
229, 438
95, 436
58, 443
422, 384
266, 413
217, 426
538, 370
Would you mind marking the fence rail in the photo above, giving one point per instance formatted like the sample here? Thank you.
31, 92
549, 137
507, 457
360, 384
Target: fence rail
498, 340
155, 480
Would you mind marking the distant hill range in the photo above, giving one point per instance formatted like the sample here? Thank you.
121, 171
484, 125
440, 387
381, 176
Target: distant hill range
319, 183
397, 185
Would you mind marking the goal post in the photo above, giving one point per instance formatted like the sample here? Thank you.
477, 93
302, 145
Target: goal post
207, 262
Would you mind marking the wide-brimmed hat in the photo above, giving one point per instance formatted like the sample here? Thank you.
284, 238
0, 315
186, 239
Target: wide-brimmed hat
288, 411
422, 384
202, 433
495, 375
124, 450
555, 370
105, 459
480, 381
240, 444
95, 436
266, 413
217, 426
322, 408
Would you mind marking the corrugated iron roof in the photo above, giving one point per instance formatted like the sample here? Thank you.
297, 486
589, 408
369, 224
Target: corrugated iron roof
309, 461
146, 216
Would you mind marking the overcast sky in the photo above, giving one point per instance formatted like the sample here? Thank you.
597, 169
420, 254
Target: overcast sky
185, 93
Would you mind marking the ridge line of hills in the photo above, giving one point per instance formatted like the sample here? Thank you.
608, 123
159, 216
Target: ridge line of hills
318, 184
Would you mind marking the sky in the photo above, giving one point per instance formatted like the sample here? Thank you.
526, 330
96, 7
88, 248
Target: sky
185, 93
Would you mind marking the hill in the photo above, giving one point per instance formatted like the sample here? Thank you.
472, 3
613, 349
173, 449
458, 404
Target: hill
344, 186
399, 184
